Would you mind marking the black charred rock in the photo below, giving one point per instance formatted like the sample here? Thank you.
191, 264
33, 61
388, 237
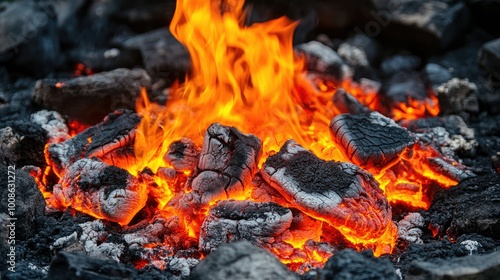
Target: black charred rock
346, 103
370, 139
470, 207
489, 57
22, 143
458, 97
241, 260
162, 54
436, 75
29, 41
397, 63
348, 264
229, 221
469, 267
427, 28
452, 123
183, 155
145, 16
89, 99
28, 204
439, 249
403, 87
109, 138
323, 59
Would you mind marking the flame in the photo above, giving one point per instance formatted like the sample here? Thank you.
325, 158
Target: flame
249, 77
242, 76
235, 81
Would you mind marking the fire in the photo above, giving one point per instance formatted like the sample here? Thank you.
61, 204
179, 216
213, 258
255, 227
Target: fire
249, 77
242, 76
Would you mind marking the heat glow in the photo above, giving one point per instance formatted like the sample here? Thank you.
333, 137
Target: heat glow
249, 77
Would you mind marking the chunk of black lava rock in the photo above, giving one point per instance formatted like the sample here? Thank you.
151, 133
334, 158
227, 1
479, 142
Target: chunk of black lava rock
112, 136
22, 143
470, 207
21, 199
88, 99
346, 103
241, 260
348, 264
162, 54
339, 193
469, 267
370, 139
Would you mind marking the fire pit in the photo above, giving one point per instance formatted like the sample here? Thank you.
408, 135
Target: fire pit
284, 140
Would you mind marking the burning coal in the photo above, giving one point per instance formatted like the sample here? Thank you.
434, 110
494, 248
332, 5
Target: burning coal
252, 147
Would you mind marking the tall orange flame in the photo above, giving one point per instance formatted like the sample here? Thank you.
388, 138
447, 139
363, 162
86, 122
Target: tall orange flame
243, 76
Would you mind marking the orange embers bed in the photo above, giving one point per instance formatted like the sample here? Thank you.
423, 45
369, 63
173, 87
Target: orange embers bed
249, 77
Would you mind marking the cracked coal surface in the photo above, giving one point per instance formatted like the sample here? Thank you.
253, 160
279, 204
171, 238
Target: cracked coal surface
370, 139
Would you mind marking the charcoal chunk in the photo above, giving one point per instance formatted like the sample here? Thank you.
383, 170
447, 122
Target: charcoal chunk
425, 27
403, 87
475, 207
469, 267
348, 264
436, 75
241, 260
22, 143
29, 204
346, 103
227, 163
100, 190
89, 99
116, 132
458, 97
323, 59
231, 220
341, 194
489, 57
370, 140
161, 53
397, 63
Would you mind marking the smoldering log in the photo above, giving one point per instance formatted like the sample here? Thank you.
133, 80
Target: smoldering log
232, 220
370, 140
106, 139
341, 194
227, 163
346, 103
88, 99
101, 190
